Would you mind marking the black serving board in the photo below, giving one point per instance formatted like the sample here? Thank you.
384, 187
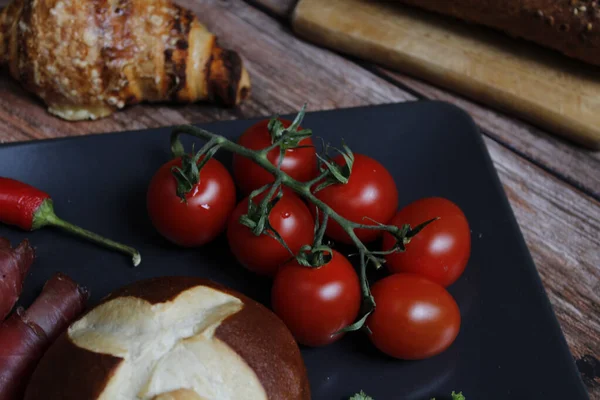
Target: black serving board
510, 344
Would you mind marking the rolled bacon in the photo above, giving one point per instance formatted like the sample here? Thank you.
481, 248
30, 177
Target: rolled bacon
26, 335
14, 265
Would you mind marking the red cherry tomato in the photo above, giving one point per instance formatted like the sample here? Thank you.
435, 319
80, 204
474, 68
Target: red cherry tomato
370, 192
414, 318
299, 163
441, 250
263, 254
315, 303
203, 216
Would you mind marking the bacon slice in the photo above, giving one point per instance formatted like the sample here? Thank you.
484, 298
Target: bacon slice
14, 265
26, 335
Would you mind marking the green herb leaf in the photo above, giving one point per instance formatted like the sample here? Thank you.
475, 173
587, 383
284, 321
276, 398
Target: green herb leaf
361, 396
456, 396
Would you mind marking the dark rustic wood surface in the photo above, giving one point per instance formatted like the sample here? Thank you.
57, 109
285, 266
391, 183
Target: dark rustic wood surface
553, 185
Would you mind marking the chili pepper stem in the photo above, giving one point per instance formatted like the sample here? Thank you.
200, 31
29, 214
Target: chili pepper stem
45, 216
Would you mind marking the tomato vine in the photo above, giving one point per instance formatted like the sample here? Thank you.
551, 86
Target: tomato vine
330, 173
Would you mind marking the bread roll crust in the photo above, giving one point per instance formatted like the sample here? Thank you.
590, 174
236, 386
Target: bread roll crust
569, 26
68, 371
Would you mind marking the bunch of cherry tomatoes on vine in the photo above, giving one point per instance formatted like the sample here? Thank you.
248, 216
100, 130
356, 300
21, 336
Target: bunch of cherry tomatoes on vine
298, 205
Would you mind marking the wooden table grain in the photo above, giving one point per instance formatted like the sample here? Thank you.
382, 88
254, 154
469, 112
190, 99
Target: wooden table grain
553, 185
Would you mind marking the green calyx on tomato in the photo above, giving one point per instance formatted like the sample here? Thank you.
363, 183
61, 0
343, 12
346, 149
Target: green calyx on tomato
314, 256
403, 236
257, 217
284, 144
291, 136
188, 174
335, 173
441, 251
318, 254
289, 227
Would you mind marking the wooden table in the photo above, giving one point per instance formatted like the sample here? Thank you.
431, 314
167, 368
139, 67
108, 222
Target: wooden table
553, 186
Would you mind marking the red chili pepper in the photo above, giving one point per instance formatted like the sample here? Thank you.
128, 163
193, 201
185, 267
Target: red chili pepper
29, 208
19, 203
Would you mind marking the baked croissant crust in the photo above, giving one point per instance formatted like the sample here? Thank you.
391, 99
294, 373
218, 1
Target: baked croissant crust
88, 58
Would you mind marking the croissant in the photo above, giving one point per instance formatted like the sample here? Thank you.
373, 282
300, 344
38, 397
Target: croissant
88, 58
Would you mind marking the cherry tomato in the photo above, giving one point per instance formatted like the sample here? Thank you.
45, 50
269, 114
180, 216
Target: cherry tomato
414, 318
370, 192
441, 250
263, 254
299, 163
203, 216
315, 303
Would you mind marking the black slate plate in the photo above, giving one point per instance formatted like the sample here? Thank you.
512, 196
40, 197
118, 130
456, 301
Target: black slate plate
510, 345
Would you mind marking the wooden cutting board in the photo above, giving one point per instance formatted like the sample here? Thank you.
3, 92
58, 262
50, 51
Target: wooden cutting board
539, 85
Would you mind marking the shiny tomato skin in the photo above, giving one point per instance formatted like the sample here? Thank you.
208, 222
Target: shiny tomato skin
370, 192
203, 217
315, 303
414, 318
299, 163
439, 252
263, 254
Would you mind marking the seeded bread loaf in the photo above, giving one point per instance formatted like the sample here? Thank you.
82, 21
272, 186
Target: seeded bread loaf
569, 26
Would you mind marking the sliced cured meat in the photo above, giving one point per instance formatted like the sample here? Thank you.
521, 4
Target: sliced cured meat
25, 336
14, 265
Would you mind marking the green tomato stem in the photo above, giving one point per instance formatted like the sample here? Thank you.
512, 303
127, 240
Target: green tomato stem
275, 145
303, 189
318, 179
